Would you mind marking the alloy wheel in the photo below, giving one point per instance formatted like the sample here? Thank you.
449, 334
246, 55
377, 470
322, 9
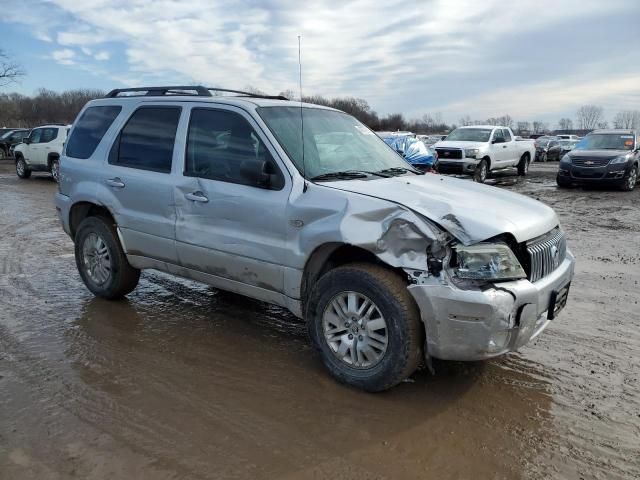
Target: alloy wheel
355, 330
96, 259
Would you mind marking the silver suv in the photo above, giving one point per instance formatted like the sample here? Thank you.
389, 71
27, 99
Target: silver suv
304, 207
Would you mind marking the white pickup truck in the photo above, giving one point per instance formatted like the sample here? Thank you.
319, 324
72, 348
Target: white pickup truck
479, 149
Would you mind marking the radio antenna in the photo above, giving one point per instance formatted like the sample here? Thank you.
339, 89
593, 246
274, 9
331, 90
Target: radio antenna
304, 170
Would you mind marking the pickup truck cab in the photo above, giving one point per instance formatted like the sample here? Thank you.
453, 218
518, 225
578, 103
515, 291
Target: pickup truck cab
387, 265
40, 151
479, 149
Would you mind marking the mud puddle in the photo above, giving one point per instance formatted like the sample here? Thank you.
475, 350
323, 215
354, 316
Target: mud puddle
183, 381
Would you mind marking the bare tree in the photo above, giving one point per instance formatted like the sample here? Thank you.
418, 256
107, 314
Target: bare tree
627, 119
505, 121
539, 127
588, 116
10, 71
603, 124
523, 127
465, 121
565, 124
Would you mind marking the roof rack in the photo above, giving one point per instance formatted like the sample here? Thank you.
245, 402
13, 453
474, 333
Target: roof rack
193, 90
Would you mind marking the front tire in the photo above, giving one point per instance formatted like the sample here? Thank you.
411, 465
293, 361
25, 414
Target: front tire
366, 326
101, 262
22, 170
630, 180
562, 182
482, 170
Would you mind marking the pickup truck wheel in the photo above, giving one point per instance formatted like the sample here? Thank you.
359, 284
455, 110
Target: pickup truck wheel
630, 180
102, 264
480, 175
523, 165
55, 170
22, 170
366, 326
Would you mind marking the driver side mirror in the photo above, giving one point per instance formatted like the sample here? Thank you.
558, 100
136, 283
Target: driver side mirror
26, 140
261, 174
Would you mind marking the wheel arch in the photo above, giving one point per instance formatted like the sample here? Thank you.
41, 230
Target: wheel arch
331, 255
81, 210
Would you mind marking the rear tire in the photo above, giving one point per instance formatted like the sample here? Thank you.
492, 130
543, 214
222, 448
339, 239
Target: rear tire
630, 180
482, 170
22, 170
101, 262
55, 170
341, 312
523, 166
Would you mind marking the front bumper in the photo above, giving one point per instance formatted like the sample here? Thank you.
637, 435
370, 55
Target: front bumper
611, 173
476, 325
460, 166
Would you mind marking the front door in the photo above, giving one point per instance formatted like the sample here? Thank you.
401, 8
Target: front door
228, 224
34, 150
137, 182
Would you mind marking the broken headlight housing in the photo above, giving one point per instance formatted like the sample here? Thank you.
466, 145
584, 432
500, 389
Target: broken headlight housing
486, 261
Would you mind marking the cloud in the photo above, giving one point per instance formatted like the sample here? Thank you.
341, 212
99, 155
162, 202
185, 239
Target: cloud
103, 55
64, 56
400, 55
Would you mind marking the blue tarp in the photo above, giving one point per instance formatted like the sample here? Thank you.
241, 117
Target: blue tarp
414, 151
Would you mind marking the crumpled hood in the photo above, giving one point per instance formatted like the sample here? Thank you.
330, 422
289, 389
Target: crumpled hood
454, 144
470, 211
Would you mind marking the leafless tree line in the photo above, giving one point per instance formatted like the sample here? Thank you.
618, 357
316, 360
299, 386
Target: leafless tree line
46, 106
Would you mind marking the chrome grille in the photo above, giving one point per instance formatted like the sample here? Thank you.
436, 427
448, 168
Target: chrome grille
590, 162
546, 253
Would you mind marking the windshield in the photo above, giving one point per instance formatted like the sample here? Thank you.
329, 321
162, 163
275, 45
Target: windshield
6, 134
333, 141
470, 135
606, 141
567, 143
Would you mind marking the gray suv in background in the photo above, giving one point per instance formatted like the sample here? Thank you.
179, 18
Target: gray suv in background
304, 207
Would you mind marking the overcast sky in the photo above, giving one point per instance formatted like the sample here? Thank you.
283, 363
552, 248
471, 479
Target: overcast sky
532, 59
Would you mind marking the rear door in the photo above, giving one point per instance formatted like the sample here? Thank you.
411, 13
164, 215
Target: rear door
137, 181
229, 226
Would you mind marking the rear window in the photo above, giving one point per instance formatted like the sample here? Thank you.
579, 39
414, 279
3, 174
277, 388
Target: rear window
89, 130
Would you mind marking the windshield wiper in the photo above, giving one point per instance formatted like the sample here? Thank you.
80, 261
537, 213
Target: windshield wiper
398, 170
347, 175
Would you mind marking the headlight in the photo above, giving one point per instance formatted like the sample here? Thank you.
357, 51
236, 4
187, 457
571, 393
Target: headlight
487, 261
620, 159
471, 152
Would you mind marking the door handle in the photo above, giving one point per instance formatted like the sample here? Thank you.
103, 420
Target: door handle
504, 146
196, 197
115, 183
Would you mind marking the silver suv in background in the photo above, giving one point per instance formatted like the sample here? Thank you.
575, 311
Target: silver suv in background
304, 207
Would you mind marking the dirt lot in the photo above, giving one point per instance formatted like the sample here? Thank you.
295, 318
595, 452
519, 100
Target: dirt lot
181, 381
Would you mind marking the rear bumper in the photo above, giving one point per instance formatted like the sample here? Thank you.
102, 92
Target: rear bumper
476, 325
63, 206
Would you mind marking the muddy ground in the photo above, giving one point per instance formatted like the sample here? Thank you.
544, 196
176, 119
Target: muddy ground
181, 381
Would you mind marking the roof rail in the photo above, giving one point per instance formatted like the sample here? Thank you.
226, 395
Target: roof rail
193, 90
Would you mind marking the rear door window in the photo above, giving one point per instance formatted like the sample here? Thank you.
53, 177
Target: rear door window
48, 135
89, 130
147, 140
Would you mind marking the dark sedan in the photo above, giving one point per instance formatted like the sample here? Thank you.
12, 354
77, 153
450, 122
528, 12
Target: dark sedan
548, 148
9, 139
607, 157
